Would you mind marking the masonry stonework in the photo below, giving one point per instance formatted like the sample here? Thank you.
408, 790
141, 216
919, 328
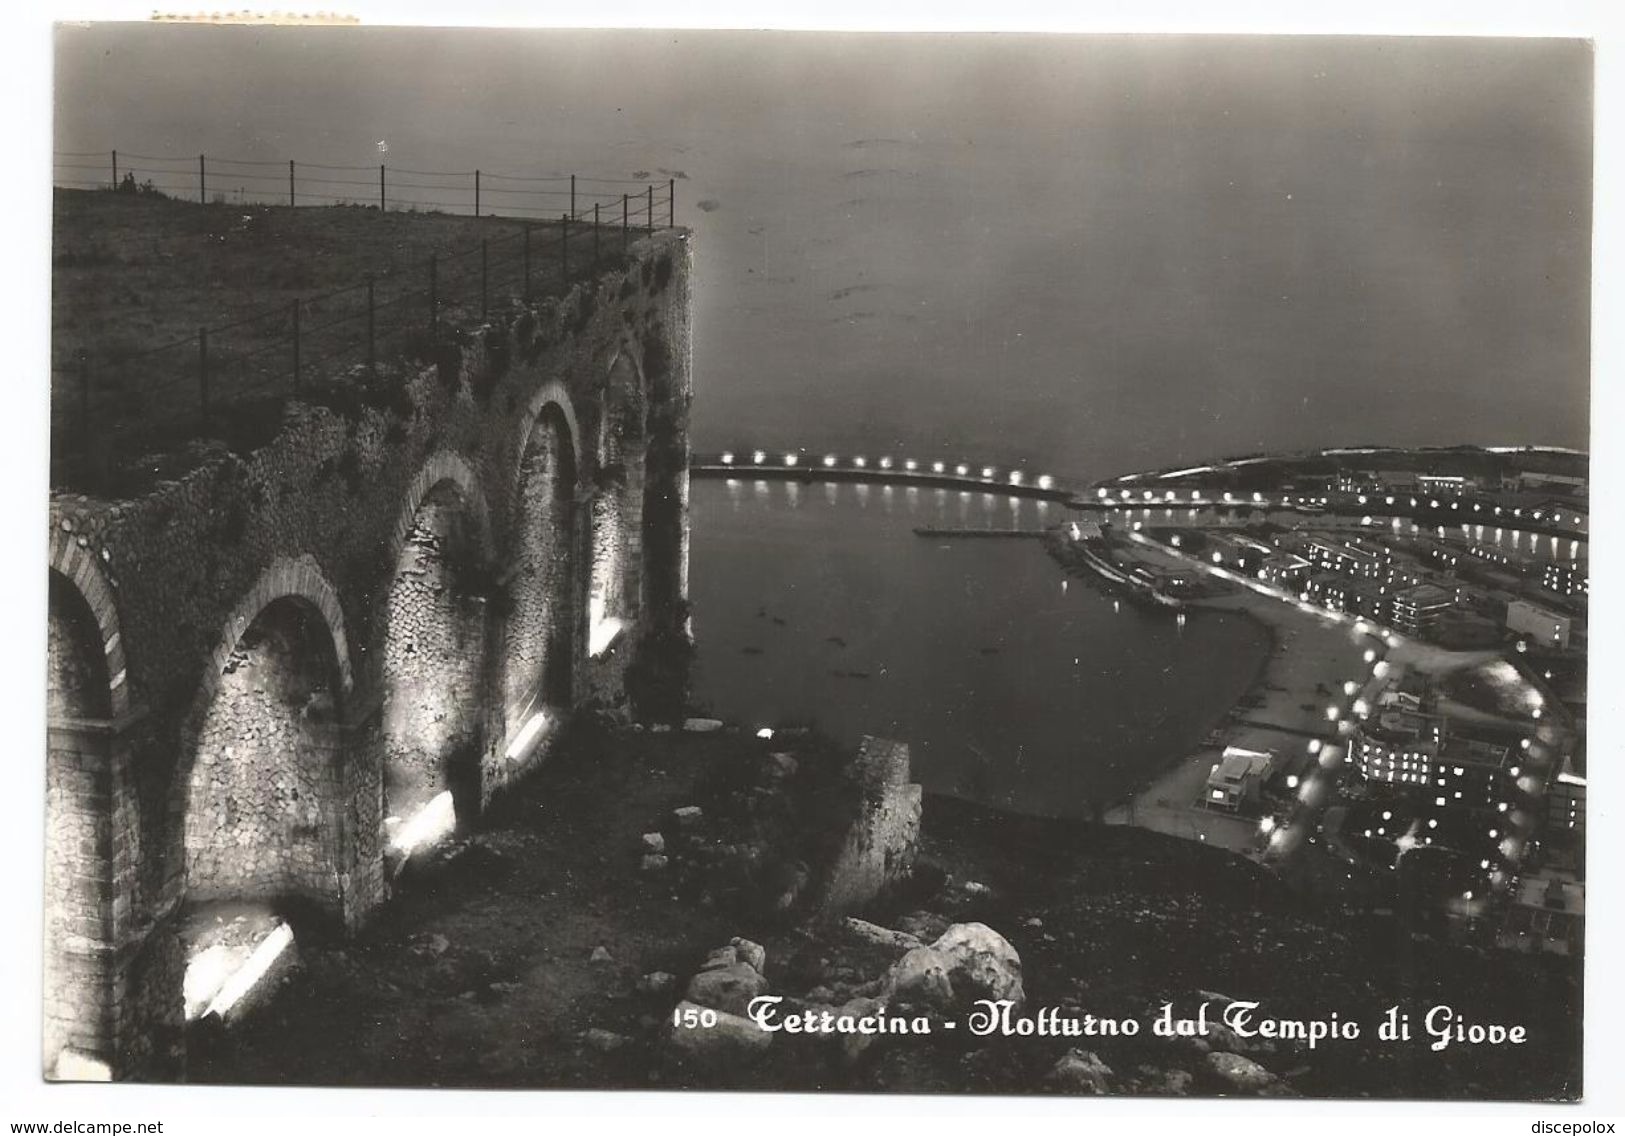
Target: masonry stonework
255, 662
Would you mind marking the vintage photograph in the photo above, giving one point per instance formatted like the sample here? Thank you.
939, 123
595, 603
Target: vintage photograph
897, 563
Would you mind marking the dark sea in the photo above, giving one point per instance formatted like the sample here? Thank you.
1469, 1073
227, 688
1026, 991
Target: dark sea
1015, 685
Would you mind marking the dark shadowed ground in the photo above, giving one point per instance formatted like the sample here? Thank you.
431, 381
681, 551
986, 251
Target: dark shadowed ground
480, 974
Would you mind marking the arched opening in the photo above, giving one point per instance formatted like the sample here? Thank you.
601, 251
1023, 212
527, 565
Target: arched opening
617, 509
263, 824
78, 835
433, 666
542, 613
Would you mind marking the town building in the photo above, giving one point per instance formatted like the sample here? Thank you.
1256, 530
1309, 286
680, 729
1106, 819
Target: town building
1475, 769
1547, 916
1339, 593
1238, 551
1541, 624
1237, 778
1567, 580
1351, 481
1360, 559
1398, 747
1285, 569
1566, 816
1417, 610
1452, 764
1529, 481
1409, 692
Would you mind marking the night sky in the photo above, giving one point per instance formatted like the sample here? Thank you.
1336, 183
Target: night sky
1086, 253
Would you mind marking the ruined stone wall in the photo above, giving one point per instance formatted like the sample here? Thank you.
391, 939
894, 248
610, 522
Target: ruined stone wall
434, 660
323, 514
78, 834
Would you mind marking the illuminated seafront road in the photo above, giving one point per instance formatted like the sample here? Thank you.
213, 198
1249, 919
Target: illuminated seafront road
883, 468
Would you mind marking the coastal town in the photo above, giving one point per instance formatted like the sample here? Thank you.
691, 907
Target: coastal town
1416, 737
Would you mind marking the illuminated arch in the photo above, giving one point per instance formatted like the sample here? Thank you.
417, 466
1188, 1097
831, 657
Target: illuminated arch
79, 567
433, 663
86, 904
543, 627
617, 503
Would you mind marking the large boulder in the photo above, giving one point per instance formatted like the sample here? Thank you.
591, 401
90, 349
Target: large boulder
875, 935
981, 963
926, 926
1240, 1073
853, 1045
750, 952
1080, 1071
721, 957
730, 1040
920, 979
1164, 1082
727, 988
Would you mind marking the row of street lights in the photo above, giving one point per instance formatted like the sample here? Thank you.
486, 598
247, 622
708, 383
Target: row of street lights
889, 465
1288, 501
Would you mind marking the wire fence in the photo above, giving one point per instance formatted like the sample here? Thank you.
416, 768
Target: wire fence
215, 382
476, 192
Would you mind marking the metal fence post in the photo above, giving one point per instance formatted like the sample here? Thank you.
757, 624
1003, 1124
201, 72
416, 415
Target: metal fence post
572, 195
671, 201
382, 203
527, 262
115, 169
434, 292
625, 219
296, 345
372, 349
203, 372
485, 263
596, 221
476, 193
290, 184
202, 182
649, 214
564, 246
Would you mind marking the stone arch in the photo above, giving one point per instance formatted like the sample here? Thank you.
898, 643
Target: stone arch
553, 395
434, 652
268, 817
261, 793
541, 631
613, 592
289, 577
78, 566
89, 817
442, 468
262, 829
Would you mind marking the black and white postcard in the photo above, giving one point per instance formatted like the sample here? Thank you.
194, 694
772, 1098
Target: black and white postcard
809, 562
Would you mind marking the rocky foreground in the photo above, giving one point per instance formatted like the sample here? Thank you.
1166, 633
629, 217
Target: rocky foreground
652, 896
